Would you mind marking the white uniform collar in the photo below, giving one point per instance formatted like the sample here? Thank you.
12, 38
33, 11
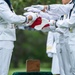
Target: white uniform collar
70, 2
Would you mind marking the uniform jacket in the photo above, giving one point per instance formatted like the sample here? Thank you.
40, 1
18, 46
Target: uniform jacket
7, 19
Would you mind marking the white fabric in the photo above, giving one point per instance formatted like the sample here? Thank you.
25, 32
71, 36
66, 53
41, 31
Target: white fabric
66, 23
40, 7
46, 15
42, 27
70, 23
54, 8
51, 52
55, 64
7, 17
6, 49
51, 45
34, 15
44, 22
62, 39
31, 9
7, 35
63, 49
63, 9
12, 17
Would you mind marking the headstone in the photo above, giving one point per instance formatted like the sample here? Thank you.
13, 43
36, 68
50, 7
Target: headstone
33, 65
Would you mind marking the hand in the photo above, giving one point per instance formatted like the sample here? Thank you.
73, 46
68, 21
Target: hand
40, 7
59, 30
31, 9
35, 10
50, 55
45, 15
52, 22
36, 20
31, 16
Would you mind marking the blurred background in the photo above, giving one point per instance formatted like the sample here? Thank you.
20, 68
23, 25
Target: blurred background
29, 44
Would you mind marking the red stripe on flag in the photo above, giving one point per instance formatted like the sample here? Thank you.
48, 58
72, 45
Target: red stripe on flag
37, 22
47, 25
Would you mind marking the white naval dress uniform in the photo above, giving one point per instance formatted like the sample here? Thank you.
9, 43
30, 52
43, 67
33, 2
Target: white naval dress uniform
66, 44
59, 38
7, 35
70, 23
62, 45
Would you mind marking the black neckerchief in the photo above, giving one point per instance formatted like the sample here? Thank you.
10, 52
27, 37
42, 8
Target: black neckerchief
71, 10
9, 4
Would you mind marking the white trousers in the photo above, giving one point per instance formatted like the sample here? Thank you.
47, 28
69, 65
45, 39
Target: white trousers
63, 55
55, 64
72, 50
72, 57
6, 49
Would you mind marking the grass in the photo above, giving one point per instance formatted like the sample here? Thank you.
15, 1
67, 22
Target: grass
11, 71
45, 67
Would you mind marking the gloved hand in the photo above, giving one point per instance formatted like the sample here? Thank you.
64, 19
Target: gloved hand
52, 22
34, 15
45, 15
40, 7
42, 14
50, 55
36, 20
52, 25
31, 9
59, 30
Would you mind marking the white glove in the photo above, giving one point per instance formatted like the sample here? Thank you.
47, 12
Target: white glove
40, 7
42, 14
52, 26
52, 22
35, 21
59, 30
50, 55
31, 9
34, 15
45, 15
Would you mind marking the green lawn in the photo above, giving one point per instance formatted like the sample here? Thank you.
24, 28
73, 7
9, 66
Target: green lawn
11, 71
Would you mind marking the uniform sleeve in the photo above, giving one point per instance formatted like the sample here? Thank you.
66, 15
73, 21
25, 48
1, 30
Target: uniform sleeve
49, 15
8, 15
67, 22
60, 9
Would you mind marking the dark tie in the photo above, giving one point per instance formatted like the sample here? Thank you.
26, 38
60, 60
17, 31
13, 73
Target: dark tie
9, 3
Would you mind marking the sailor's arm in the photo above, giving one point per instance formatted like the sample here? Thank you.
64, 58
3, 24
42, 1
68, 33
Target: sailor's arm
59, 9
11, 17
67, 22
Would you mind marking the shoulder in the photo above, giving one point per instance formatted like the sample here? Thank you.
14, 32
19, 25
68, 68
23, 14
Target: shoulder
3, 5
2, 2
